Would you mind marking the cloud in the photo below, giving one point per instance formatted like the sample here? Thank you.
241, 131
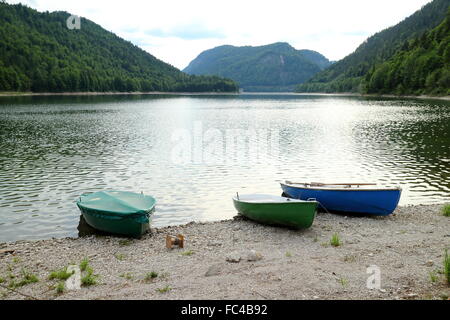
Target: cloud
187, 32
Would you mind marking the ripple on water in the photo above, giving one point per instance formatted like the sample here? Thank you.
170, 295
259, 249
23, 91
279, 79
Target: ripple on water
54, 149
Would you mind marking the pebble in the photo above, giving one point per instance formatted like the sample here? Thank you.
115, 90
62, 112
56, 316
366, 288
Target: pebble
429, 263
234, 257
237, 256
252, 255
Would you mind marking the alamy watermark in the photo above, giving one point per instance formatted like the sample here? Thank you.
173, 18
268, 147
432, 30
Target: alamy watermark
74, 281
374, 280
212, 146
73, 23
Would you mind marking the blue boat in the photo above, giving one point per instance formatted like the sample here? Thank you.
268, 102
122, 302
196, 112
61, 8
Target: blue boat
363, 198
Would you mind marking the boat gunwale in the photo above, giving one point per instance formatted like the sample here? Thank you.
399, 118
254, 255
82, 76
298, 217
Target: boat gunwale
302, 186
290, 200
122, 215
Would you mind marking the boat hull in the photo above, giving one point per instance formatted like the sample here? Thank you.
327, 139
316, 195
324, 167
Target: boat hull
380, 202
127, 226
118, 212
290, 214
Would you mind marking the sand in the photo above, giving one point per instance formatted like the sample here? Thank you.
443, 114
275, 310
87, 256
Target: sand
241, 259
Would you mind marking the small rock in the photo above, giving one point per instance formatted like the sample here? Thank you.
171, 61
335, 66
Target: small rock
234, 257
252, 255
429, 263
382, 290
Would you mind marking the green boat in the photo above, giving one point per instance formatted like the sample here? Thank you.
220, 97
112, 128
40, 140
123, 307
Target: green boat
276, 210
119, 212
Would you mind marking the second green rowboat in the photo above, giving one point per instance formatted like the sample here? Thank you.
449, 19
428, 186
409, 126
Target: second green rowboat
276, 210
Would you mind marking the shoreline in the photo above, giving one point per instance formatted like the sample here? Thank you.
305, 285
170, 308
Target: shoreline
27, 94
241, 259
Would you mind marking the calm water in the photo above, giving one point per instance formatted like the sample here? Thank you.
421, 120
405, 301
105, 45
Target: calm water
52, 149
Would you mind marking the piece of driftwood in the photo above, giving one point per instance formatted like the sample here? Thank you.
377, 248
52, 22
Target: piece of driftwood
7, 251
172, 241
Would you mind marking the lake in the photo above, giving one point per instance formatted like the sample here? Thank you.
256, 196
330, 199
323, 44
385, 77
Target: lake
193, 153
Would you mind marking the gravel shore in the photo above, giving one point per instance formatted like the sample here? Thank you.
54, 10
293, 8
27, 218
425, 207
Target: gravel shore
241, 259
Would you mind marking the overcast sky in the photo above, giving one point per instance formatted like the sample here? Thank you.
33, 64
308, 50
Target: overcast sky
176, 31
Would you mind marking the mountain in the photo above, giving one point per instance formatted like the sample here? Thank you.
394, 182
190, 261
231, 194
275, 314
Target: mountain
348, 74
273, 67
39, 53
421, 66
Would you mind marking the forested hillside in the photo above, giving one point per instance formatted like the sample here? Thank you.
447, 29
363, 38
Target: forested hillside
39, 53
273, 67
349, 74
422, 66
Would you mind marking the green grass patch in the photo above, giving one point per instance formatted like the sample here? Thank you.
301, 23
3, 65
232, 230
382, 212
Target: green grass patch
84, 264
349, 258
343, 282
288, 254
433, 276
89, 279
60, 288
446, 210
164, 290
61, 274
127, 275
27, 278
150, 276
2, 280
187, 253
119, 256
125, 242
335, 240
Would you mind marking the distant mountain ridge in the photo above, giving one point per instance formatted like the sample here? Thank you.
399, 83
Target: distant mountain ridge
349, 74
273, 67
39, 53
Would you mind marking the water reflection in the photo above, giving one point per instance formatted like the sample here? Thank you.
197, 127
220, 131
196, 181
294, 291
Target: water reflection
52, 149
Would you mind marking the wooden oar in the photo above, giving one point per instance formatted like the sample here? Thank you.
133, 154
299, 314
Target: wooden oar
343, 184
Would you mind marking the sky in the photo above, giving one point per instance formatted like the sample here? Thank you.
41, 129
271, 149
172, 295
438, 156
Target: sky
177, 31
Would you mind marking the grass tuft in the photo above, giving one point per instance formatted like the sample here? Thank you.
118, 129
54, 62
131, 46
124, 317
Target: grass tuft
433, 276
288, 254
125, 242
127, 275
61, 274
164, 290
27, 278
84, 264
335, 241
446, 210
187, 253
89, 279
119, 256
343, 282
150, 276
60, 288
